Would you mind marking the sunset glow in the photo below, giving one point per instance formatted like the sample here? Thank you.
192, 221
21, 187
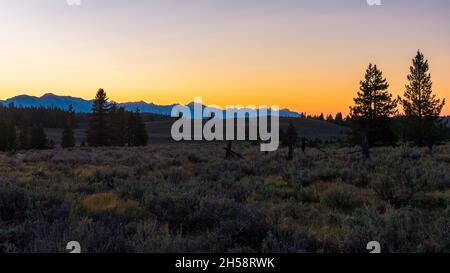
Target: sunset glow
308, 56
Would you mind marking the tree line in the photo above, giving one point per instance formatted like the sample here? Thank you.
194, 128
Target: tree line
22, 128
109, 125
375, 119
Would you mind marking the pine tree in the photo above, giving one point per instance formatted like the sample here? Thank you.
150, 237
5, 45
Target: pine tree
291, 139
38, 139
118, 126
339, 119
24, 138
330, 118
97, 133
11, 136
7, 136
136, 130
130, 130
422, 108
141, 130
68, 139
3, 136
373, 110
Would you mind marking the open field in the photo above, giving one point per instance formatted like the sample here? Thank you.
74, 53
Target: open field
188, 198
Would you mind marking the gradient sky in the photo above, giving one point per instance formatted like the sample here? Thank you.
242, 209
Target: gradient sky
305, 55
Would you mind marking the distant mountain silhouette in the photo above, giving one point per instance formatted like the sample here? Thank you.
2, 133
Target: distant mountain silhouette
84, 106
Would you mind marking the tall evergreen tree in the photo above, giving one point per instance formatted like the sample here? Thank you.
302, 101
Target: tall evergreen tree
38, 139
422, 108
11, 136
97, 133
3, 139
68, 139
291, 139
373, 110
339, 119
7, 136
330, 118
24, 138
118, 126
136, 131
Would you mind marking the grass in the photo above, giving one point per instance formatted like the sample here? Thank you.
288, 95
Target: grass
185, 197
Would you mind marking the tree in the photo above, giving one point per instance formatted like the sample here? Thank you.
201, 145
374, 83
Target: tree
7, 136
118, 126
136, 130
330, 119
373, 110
12, 136
141, 130
97, 133
339, 119
38, 139
422, 108
24, 138
68, 139
291, 139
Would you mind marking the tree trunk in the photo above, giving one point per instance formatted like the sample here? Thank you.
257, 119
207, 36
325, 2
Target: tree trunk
365, 147
291, 151
229, 153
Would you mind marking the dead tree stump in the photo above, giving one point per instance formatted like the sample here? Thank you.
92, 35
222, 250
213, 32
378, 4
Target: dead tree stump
229, 153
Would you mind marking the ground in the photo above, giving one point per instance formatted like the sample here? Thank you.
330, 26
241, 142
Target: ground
185, 197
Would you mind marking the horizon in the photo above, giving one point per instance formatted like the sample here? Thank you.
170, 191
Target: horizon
306, 57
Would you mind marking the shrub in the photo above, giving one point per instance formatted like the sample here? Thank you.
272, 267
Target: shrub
365, 225
345, 197
290, 241
13, 202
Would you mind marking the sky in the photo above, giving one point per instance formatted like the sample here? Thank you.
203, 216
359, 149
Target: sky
308, 56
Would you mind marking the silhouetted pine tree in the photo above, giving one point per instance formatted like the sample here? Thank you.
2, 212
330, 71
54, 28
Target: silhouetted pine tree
3, 136
12, 136
7, 136
68, 139
24, 138
330, 118
422, 108
118, 126
136, 130
141, 130
339, 119
38, 139
291, 139
373, 110
97, 133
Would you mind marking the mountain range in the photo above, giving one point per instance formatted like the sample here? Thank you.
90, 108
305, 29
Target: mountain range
84, 106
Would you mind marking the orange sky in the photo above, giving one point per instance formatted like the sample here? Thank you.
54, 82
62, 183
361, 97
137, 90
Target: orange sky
308, 56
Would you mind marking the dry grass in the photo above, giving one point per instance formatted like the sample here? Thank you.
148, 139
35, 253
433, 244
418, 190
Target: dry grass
187, 197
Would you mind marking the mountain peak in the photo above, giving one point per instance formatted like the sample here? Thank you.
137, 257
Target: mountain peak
48, 95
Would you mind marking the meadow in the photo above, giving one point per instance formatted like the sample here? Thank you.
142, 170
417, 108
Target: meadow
185, 197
